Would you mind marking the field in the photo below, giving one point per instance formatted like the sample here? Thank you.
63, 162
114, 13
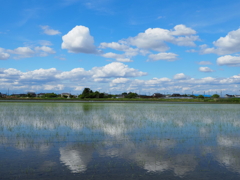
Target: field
119, 141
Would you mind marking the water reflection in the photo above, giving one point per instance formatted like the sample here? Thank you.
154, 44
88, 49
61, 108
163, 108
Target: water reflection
156, 138
76, 158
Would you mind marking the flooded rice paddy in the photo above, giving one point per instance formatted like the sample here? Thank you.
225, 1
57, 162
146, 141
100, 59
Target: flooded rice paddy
119, 141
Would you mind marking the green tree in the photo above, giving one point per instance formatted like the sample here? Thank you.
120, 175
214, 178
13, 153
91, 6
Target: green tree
215, 96
201, 96
86, 93
131, 95
50, 95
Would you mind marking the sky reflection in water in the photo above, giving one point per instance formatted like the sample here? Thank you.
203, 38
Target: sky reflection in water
119, 140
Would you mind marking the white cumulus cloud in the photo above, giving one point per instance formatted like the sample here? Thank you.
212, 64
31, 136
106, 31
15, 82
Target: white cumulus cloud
180, 76
44, 50
3, 54
114, 45
181, 29
74, 74
47, 30
79, 40
118, 57
156, 38
120, 80
229, 60
225, 45
205, 69
27, 52
22, 52
116, 69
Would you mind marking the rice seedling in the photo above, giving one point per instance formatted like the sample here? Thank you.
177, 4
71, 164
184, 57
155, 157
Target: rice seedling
151, 137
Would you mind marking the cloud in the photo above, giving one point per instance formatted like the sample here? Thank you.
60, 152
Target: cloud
44, 50
39, 74
204, 63
205, 69
48, 31
156, 38
53, 79
225, 45
229, 60
115, 77
121, 46
157, 81
57, 87
152, 38
27, 52
162, 56
61, 57
116, 69
180, 30
180, 76
124, 60
114, 45
79, 40
186, 40
120, 81
22, 52
191, 50
3, 54
112, 55
118, 57
45, 43
74, 74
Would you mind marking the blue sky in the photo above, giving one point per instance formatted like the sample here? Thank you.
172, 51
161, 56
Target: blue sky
116, 46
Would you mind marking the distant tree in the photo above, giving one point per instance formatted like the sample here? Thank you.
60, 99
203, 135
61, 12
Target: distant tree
51, 95
101, 95
86, 93
131, 95
124, 94
215, 96
201, 96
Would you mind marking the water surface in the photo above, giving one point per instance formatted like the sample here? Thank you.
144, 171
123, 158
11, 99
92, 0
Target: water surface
119, 141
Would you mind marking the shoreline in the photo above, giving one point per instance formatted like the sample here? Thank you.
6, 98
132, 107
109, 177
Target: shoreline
110, 101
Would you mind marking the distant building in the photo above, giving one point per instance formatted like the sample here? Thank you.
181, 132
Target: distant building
228, 95
41, 94
19, 95
31, 94
3, 95
144, 96
176, 95
119, 96
157, 95
66, 95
